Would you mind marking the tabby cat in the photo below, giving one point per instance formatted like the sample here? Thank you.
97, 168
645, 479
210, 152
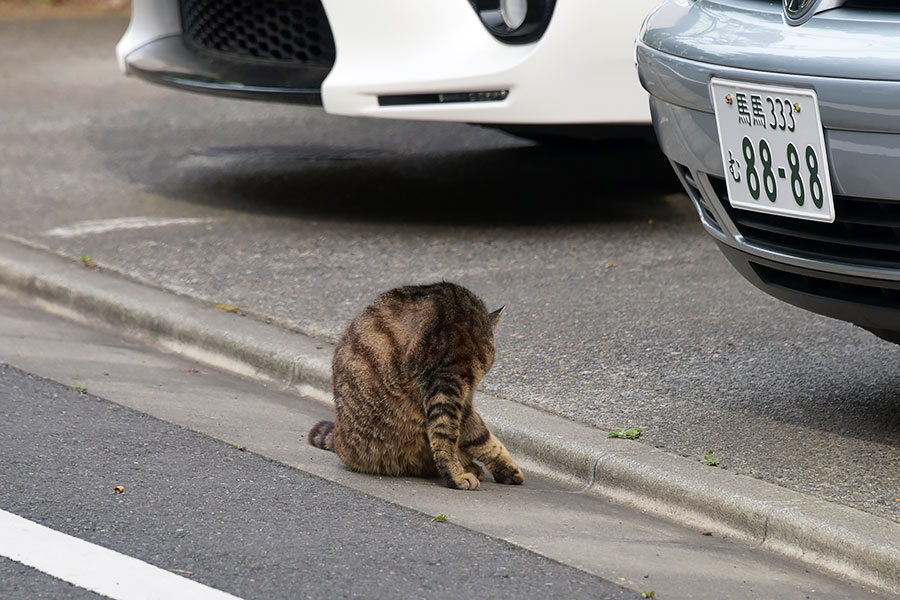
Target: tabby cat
403, 376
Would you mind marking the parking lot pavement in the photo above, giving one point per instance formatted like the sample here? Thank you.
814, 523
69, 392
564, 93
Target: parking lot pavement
256, 513
620, 311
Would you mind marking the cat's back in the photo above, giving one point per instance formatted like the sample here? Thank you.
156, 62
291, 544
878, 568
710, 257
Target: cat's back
417, 324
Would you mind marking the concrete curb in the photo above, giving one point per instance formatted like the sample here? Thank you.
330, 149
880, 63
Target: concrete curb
857, 545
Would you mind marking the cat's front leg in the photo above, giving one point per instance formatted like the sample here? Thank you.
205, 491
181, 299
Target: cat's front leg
442, 427
477, 440
497, 460
470, 465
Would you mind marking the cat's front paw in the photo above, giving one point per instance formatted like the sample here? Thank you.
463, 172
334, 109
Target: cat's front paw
466, 481
475, 470
508, 474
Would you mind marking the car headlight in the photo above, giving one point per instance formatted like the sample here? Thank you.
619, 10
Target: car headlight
515, 21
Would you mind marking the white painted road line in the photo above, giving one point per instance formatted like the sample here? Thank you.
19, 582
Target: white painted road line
107, 225
93, 567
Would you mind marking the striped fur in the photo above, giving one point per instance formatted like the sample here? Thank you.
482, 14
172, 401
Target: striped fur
403, 376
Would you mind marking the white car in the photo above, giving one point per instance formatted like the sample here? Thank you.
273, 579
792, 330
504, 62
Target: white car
496, 62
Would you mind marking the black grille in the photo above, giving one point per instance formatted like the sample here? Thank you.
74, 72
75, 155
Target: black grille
279, 31
876, 294
865, 231
890, 5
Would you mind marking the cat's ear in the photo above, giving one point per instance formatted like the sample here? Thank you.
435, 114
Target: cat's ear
495, 317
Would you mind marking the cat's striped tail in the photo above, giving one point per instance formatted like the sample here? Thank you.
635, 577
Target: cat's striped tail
322, 435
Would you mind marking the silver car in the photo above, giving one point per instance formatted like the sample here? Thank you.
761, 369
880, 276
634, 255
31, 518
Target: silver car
782, 120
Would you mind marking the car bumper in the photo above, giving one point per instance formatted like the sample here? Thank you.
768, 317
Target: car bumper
424, 59
153, 49
580, 71
844, 270
166, 61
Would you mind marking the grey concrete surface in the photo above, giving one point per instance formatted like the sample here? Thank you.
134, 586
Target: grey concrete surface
848, 542
236, 521
310, 216
556, 519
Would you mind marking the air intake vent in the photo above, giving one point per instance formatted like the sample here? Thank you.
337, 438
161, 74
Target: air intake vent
277, 31
860, 293
890, 5
865, 231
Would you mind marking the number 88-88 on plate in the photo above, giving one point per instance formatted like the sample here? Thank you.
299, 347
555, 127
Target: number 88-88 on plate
773, 149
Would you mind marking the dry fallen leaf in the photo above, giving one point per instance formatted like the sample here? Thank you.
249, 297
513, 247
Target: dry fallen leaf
612, 265
119, 489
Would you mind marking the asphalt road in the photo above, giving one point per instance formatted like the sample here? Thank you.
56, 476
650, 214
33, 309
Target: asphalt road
233, 520
19, 581
621, 312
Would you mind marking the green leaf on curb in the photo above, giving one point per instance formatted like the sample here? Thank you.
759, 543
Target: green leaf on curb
228, 308
630, 433
709, 460
88, 261
439, 519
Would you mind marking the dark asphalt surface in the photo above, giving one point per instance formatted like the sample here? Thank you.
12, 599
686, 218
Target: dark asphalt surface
236, 521
621, 311
18, 581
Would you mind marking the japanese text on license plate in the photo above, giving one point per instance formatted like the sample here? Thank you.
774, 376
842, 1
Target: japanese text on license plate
773, 150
